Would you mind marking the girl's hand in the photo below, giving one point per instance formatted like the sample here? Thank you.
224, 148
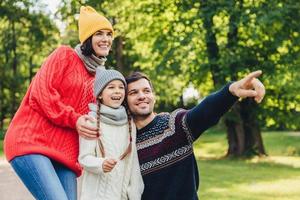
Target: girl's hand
108, 165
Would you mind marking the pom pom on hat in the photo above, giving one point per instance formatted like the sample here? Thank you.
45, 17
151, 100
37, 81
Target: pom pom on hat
90, 22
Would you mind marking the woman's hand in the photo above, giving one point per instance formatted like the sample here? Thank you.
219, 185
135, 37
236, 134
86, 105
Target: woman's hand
85, 127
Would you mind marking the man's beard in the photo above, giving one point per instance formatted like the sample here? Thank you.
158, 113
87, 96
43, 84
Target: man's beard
141, 115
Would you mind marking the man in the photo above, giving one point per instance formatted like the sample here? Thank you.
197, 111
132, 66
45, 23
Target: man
164, 141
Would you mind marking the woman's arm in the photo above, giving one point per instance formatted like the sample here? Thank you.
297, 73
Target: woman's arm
45, 97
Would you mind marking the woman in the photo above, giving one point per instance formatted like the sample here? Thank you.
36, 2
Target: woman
41, 142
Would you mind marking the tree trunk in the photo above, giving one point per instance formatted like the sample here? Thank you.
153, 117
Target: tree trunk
211, 43
243, 133
2, 114
14, 68
244, 136
31, 66
254, 140
235, 132
119, 54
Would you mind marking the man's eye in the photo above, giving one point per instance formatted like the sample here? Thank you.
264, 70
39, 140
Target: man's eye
131, 93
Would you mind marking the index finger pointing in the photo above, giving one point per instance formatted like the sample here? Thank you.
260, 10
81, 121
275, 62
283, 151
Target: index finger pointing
252, 75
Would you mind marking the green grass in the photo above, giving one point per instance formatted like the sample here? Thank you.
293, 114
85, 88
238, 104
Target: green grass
276, 177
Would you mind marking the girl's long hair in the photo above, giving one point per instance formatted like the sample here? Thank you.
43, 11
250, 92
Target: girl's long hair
129, 117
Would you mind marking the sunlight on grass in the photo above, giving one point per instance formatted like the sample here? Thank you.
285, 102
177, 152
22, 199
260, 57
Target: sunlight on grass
274, 177
271, 190
283, 160
280, 187
210, 150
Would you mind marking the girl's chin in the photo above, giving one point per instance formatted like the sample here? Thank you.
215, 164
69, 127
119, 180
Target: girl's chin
114, 105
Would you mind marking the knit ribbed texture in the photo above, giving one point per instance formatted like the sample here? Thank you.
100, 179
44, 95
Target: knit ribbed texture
91, 62
90, 21
103, 77
122, 181
46, 119
165, 147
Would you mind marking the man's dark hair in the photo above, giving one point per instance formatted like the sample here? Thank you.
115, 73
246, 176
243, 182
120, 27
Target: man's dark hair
87, 47
135, 76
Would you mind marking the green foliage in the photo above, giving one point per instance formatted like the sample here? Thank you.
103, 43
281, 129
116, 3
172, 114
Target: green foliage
1, 147
27, 36
171, 41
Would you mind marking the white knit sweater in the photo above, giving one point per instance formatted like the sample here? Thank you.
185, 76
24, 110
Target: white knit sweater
125, 180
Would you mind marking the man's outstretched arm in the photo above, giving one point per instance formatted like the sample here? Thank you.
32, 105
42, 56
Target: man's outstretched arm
214, 106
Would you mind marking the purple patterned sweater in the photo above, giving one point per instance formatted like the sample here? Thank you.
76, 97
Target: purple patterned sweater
165, 148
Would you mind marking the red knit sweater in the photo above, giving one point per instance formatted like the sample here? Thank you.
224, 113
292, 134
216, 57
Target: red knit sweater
46, 119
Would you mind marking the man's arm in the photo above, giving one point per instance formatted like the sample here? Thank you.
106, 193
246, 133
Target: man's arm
211, 109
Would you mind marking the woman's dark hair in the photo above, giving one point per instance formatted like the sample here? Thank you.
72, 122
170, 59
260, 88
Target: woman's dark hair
87, 47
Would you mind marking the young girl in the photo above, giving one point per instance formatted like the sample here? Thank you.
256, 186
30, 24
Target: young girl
111, 167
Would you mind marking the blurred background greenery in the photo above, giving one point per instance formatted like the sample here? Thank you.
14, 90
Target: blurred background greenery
188, 48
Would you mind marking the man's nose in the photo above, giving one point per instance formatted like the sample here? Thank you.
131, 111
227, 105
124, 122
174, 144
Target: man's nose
141, 95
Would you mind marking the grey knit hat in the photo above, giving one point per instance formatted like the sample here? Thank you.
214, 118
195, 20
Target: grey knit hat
104, 76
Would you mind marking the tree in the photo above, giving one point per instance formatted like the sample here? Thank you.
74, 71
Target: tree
27, 35
209, 43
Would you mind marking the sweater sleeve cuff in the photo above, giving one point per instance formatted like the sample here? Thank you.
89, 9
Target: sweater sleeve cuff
74, 119
231, 98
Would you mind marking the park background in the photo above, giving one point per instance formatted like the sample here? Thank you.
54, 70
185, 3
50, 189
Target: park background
189, 49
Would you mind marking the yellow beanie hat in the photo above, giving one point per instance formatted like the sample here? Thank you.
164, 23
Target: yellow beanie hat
90, 22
